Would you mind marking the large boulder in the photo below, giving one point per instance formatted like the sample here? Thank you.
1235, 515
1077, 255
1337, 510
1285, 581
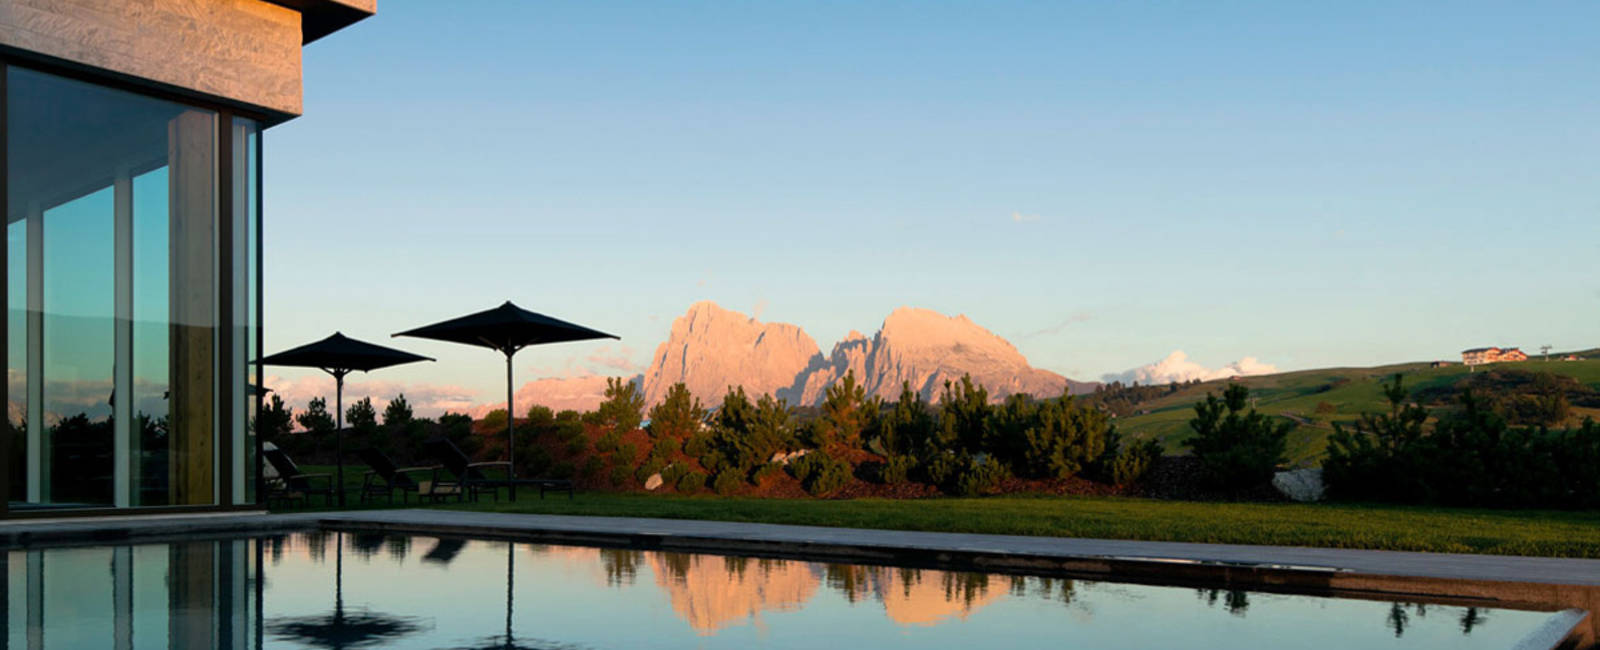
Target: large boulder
783, 458
1300, 484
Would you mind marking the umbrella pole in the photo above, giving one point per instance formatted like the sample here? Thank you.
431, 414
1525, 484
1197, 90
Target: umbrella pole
338, 433
511, 558
338, 578
511, 448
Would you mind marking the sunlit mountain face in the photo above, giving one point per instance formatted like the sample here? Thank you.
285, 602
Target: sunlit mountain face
710, 349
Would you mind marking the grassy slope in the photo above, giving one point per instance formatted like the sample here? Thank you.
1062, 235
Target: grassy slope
1503, 532
1295, 393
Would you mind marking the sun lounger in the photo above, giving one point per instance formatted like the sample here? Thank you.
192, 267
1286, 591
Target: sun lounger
457, 476
384, 478
470, 479
292, 484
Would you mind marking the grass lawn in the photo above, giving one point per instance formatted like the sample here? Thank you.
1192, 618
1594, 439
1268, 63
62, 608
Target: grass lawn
1400, 528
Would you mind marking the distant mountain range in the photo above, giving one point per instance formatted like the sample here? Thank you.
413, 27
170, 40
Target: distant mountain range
710, 349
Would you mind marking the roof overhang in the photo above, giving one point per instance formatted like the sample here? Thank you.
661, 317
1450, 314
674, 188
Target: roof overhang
319, 18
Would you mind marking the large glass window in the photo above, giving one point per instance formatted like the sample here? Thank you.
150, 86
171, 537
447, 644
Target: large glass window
118, 390
76, 260
151, 339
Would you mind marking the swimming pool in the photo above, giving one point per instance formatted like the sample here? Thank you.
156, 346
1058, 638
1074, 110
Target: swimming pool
352, 590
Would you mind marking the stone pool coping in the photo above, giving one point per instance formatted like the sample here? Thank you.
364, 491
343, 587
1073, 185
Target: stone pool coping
1546, 583
827, 541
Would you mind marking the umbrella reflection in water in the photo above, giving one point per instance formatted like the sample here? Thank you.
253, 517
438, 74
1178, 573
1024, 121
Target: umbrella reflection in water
508, 640
361, 628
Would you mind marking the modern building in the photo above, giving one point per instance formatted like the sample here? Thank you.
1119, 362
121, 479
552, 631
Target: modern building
1480, 356
132, 189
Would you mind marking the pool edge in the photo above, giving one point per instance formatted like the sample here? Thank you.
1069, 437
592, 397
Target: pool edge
895, 548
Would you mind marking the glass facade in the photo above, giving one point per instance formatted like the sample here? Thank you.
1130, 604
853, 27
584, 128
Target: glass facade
132, 289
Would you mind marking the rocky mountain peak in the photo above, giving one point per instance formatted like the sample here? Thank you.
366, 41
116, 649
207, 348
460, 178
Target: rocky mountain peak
913, 327
925, 348
711, 348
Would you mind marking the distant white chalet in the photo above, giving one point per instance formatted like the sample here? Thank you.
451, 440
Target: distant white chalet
1480, 356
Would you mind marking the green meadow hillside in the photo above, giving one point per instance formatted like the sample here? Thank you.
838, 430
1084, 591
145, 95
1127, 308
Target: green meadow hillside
1315, 399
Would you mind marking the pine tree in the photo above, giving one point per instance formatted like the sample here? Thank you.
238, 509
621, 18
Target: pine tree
1237, 448
398, 413
678, 416
316, 417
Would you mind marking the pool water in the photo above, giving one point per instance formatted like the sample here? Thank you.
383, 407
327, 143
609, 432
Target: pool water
356, 590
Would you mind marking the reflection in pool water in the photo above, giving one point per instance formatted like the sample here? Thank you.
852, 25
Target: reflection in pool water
353, 590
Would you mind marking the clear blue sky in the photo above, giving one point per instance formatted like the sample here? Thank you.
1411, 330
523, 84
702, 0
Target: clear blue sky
1345, 184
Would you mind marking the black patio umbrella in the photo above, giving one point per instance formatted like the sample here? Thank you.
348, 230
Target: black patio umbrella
507, 329
339, 355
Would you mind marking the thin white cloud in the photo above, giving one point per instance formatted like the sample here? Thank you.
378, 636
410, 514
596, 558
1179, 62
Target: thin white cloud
1018, 217
568, 367
607, 359
1177, 367
1074, 319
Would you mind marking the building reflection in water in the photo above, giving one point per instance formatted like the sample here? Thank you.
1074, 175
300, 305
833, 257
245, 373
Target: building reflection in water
350, 590
183, 595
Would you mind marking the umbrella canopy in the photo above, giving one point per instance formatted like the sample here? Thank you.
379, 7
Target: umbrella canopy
507, 328
339, 355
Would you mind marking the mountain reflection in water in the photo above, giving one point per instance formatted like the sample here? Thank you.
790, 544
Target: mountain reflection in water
351, 590
712, 593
